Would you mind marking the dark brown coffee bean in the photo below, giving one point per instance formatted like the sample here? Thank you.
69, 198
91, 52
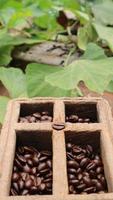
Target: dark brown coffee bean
21, 158
70, 156
30, 162
38, 181
42, 187
35, 160
90, 189
47, 180
92, 174
58, 126
74, 182
90, 166
37, 115
49, 163
48, 175
18, 164
33, 170
84, 162
13, 192
78, 170
80, 176
49, 185
87, 181
73, 118
99, 170
87, 120
97, 162
81, 187
28, 183
73, 164
26, 169
77, 150
45, 118
44, 171
24, 192
71, 189
33, 190
99, 186
71, 176
79, 157
68, 146
31, 119
80, 120
71, 170
15, 177
46, 153
15, 186
43, 158
41, 166
21, 184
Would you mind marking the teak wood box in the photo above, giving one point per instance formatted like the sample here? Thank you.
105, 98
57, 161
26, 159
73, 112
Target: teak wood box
100, 110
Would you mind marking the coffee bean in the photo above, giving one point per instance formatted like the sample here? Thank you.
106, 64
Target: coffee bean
33, 190
15, 186
49, 163
58, 126
68, 146
74, 182
42, 186
71, 176
99, 170
13, 192
25, 192
41, 166
28, 183
71, 170
27, 169
90, 190
84, 162
15, 177
21, 184
99, 186
81, 187
87, 181
72, 163
90, 166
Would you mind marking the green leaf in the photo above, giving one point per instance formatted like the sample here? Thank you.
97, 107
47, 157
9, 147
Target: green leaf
3, 104
110, 87
96, 74
105, 33
14, 81
85, 35
103, 12
5, 55
36, 85
94, 52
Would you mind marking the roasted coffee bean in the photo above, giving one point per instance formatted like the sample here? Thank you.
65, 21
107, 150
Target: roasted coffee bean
41, 166
15, 177
68, 146
13, 192
72, 163
15, 186
73, 118
99, 170
24, 192
84, 162
58, 126
42, 186
33, 190
28, 183
49, 163
90, 190
26, 169
87, 181
71, 171
85, 170
21, 184
90, 166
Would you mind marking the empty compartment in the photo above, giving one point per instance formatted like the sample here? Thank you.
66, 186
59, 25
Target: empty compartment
81, 112
32, 168
85, 168
36, 112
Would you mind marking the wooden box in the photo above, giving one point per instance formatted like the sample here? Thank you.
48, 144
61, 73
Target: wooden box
99, 133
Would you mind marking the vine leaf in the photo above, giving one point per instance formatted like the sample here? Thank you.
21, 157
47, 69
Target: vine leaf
96, 74
105, 33
36, 85
14, 81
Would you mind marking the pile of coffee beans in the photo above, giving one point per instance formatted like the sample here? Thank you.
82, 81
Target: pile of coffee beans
76, 119
32, 172
37, 117
85, 170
